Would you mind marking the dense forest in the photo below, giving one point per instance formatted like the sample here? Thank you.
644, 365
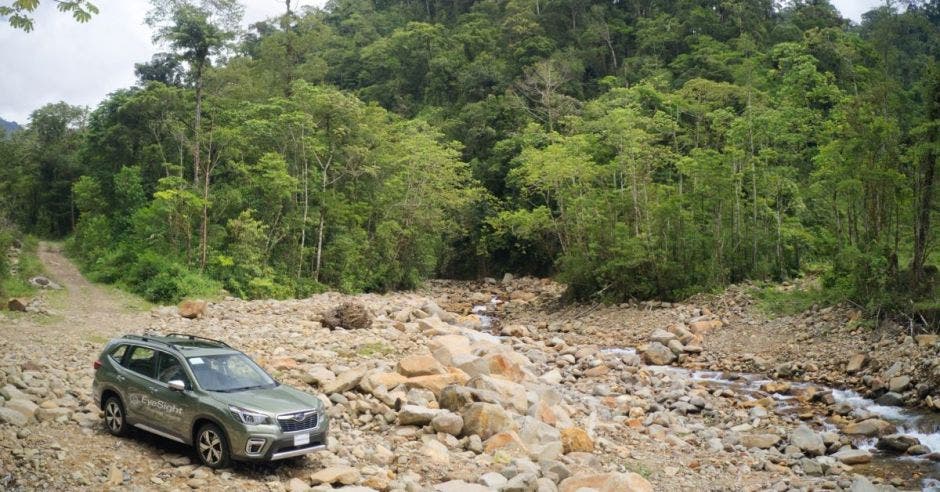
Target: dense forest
633, 149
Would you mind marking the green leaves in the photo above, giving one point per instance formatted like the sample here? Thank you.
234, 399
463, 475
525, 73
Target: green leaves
18, 13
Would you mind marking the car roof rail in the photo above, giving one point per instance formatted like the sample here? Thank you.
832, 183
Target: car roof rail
143, 338
197, 337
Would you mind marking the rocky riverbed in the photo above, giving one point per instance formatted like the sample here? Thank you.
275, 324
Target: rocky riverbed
461, 387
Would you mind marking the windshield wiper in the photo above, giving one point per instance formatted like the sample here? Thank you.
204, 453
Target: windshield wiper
244, 388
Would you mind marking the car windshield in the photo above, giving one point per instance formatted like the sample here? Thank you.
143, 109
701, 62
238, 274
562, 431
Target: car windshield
229, 373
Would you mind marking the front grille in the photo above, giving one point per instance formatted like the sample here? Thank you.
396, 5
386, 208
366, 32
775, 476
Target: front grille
298, 421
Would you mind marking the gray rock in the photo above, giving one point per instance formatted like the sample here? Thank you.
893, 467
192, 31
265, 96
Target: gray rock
460, 486
760, 441
416, 415
899, 383
658, 354
447, 422
808, 441
661, 336
344, 382
676, 347
896, 443
869, 427
811, 467
493, 480
853, 456
13, 417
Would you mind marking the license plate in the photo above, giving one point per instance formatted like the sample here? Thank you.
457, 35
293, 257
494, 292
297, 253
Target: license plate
301, 439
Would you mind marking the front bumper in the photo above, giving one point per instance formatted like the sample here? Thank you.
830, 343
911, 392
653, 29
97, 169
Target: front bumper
278, 445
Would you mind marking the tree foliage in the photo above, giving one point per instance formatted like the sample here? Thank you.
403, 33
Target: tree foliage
634, 149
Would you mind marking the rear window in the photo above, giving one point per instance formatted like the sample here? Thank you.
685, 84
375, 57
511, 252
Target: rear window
117, 353
142, 361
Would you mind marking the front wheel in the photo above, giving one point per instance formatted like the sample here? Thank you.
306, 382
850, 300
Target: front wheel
115, 419
212, 447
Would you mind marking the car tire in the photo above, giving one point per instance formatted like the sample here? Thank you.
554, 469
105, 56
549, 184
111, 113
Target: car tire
212, 447
115, 418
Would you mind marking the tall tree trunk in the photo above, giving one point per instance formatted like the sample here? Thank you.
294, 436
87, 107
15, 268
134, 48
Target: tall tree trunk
303, 227
928, 165
197, 167
288, 47
197, 125
316, 269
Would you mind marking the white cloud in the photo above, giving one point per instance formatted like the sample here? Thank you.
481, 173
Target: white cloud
853, 9
63, 60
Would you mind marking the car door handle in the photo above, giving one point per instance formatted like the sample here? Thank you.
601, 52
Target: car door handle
152, 389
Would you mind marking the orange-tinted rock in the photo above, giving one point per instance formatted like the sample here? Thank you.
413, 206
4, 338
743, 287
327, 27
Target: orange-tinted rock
192, 309
575, 439
436, 382
606, 482
420, 365
505, 442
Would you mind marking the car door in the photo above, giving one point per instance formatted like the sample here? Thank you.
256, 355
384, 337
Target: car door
171, 409
141, 369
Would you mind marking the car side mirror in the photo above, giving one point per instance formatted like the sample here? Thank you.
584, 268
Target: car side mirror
177, 385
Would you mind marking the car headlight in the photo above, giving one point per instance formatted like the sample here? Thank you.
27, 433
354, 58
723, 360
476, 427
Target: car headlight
248, 417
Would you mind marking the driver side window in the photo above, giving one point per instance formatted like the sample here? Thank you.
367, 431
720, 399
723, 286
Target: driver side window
170, 369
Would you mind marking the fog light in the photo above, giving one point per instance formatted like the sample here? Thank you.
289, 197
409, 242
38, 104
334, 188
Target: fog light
255, 445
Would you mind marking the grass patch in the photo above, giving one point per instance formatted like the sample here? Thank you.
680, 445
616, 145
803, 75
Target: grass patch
640, 469
776, 300
17, 285
373, 349
96, 339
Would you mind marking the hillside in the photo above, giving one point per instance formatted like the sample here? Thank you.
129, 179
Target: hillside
631, 150
9, 126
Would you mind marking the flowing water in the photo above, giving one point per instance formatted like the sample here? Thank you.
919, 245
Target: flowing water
915, 471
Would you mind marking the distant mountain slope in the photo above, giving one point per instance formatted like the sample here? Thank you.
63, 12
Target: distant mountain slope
9, 126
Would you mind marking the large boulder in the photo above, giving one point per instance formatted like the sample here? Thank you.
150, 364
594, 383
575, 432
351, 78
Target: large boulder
606, 482
853, 456
437, 382
657, 354
510, 394
416, 415
760, 441
808, 441
508, 443
345, 475
662, 336
855, 363
419, 365
23, 406
575, 439
344, 382
897, 443
446, 348
485, 420
869, 427
447, 422
455, 398
192, 308
12, 417
348, 315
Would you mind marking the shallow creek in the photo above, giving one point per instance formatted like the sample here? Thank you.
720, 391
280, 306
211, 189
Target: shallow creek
916, 471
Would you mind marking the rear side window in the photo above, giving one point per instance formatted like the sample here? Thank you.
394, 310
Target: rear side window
117, 353
143, 361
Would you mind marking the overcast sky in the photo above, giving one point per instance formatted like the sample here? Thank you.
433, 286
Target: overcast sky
62, 60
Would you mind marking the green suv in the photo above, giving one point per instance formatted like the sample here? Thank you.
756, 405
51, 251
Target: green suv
202, 392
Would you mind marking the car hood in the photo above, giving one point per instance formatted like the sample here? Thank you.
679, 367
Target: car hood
277, 400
